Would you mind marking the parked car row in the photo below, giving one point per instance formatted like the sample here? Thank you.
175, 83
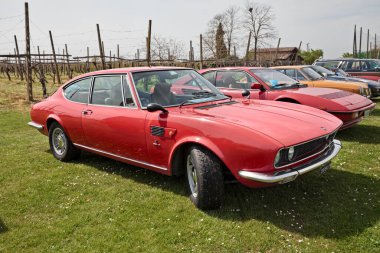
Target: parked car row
175, 122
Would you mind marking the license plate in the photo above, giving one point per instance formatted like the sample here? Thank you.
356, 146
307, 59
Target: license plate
366, 113
325, 168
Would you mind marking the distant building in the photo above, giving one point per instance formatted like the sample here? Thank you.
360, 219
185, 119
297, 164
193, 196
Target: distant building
284, 56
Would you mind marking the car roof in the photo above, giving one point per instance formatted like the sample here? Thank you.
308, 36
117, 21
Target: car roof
231, 68
290, 67
127, 70
345, 59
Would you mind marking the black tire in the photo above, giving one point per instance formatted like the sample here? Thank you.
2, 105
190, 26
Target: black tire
206, 187
64, 149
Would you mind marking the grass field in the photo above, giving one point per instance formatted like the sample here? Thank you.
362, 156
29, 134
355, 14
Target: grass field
99, 205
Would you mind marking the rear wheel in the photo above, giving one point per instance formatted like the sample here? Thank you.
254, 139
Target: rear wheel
60, 144
204, 177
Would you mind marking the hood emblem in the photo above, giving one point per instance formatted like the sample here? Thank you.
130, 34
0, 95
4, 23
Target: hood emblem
324, 128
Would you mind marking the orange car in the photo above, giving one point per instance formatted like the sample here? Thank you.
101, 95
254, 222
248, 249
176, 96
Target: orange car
306, 75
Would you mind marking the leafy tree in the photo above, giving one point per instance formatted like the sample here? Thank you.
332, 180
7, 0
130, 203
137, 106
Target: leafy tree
310, 56
220, 46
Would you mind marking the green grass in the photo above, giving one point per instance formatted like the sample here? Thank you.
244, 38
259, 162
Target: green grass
99, 205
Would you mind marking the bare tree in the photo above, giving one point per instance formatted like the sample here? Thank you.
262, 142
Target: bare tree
230, 22
258, 20
209, 39
166, 48
230, 25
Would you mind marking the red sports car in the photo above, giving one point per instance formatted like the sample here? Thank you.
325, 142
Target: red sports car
132, 115
269, 84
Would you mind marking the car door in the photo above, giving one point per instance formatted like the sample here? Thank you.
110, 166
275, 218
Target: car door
112, 122
77, 94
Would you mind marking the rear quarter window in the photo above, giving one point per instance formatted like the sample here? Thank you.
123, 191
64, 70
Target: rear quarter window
78, 91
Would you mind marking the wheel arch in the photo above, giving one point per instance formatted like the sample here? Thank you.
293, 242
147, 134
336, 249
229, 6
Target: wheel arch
178, 153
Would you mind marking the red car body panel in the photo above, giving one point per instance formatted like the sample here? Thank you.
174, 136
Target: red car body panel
228, 130
341, 104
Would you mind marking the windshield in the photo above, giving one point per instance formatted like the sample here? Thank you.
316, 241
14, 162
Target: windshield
174, 87
311, 74
274, 78
322, 71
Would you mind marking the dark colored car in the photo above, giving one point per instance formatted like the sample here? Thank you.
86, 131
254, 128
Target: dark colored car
366, 68
340, 75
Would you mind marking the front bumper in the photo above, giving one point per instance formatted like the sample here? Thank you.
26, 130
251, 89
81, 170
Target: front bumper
36, 125
292, 174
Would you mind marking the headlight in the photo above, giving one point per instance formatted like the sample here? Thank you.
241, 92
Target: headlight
290, 153
277, 158
355, 115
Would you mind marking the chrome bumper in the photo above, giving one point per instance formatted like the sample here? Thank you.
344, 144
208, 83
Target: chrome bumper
36, 125
294, 173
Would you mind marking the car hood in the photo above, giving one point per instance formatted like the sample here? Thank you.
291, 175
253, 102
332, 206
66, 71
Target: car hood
372, 84
286, 123
344, 98
339, 83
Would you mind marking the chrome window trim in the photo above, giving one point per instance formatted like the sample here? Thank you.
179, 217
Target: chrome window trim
121, 157
73, 82
126, 78
121, 86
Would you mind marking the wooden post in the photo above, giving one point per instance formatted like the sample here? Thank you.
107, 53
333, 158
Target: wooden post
278, 47
190, 51
101, 47
88, 60
68, 63
375, 45
247, 52
360, 44
54, 58
201, 50
367, 43
118, 56
354, 46
234, 51
148, 42
21, 71
29, 85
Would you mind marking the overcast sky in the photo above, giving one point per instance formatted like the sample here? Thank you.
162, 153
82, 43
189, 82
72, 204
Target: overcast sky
324, 24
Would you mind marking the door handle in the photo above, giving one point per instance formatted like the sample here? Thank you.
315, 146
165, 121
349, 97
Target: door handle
87, 112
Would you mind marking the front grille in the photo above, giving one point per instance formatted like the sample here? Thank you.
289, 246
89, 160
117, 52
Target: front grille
306, 150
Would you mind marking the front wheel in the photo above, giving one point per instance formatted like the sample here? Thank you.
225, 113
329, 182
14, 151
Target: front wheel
204, 177
60, 144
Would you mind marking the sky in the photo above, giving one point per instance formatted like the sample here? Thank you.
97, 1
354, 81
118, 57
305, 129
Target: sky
324, 24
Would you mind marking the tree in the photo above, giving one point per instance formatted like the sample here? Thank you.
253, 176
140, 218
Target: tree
231, 24
166, 48
310, 56
220, 46
258, 20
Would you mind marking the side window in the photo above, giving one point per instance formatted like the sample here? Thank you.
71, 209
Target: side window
300, 76
234, 79
107, 91
78, 91
210, 76
129, 102
291, 73
353, 66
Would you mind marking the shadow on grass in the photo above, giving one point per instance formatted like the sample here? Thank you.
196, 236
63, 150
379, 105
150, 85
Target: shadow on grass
3, 227
337, 204
361, 133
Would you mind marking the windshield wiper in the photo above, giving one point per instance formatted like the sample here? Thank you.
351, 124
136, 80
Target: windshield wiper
185, 102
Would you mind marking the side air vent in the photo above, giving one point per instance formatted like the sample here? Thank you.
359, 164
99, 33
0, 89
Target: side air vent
157, 131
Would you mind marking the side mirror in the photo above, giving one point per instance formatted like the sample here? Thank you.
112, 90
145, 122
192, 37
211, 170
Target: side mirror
246, 93
156, 107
